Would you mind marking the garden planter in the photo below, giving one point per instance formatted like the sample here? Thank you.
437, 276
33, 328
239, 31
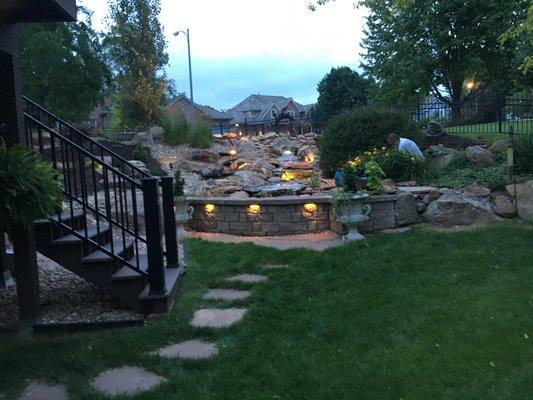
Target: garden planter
184, 214
350, 211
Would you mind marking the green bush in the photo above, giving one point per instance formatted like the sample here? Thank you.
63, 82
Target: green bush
461, 173
402, 166
30, 188
201, 136
523, 154
179, 184
140, 153
175, 132
354, 131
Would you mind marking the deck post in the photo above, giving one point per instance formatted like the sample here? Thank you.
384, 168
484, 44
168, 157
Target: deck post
156, 266
169, 221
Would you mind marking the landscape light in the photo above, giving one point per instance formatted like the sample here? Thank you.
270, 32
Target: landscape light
287, 153
254, 209
310, 157
233, 152
288, 176
470, 85
310, 208
209, 209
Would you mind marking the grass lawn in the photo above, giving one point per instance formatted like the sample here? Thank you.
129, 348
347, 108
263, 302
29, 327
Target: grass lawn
490, 131
425, 315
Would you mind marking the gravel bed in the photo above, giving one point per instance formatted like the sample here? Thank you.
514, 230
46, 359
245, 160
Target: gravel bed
65, 298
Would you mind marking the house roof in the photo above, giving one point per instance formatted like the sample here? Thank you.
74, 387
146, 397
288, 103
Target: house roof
262, 105
210, 112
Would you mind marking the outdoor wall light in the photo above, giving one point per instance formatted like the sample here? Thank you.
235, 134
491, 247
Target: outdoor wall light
209, 209
310, 208
254, 209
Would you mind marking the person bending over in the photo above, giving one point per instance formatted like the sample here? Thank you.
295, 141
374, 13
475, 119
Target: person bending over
404, 144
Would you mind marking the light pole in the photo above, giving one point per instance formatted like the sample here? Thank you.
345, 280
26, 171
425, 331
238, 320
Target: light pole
188, 36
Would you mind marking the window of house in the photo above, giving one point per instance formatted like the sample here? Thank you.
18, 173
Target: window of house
291, 113
273, 113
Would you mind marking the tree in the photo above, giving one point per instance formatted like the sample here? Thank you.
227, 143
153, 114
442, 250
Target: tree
342, 88
137, 49
63, 67
413, 47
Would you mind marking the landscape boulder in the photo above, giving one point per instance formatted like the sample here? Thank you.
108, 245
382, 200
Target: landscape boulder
456, 208
476, 191
524, 199
479, 156
499, 147
441, 157
503, 205
204, 155
406, 209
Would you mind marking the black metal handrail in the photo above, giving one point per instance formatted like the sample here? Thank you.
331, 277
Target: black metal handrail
106, 189
35, 110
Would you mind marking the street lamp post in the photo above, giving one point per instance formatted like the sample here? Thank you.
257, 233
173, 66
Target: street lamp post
188, 36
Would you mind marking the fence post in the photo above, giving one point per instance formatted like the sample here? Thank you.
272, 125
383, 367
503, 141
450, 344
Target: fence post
169, 221
156, 267
501, 104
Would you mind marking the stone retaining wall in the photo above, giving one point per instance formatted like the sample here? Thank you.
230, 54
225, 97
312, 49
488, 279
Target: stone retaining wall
289, 215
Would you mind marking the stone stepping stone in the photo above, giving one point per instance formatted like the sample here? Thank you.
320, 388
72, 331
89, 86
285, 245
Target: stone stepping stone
227, 294
274, 266
191, 349
217, 318
43, 391
249, 278
125, 380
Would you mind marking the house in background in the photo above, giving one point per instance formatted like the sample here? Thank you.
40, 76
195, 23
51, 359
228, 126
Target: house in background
183, 106
259, 113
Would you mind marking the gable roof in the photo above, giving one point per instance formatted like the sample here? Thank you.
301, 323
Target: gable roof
261, 104
208, 111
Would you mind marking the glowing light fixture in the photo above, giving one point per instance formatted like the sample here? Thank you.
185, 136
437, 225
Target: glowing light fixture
209, 209
310, 157
233, 152
287, 153
310, 208
254, 209
470, 85
288, 176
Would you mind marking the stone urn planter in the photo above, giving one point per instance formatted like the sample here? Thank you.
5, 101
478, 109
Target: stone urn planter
351, 211
183, 214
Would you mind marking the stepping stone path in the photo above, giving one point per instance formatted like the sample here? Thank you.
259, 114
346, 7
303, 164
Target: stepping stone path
43, 391
191, 349
217, 318
249, 278
227, 294
125, 380
274, 266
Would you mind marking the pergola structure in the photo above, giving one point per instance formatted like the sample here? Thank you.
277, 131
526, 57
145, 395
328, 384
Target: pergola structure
13, 12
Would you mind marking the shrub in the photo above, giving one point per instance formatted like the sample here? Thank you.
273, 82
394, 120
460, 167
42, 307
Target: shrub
30, 188
354, 131
179, 184
523, 154
140, 153
175, 132
201, 135
461, 173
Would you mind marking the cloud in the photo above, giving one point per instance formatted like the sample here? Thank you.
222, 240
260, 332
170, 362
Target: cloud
247, 46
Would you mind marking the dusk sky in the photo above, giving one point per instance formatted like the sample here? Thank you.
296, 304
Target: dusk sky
240, 47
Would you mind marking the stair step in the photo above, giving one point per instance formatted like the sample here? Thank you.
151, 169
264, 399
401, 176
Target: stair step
66, 216
100, 256
92, 232
161, 304
125, 272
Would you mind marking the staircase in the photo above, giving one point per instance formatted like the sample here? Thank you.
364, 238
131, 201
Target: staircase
99, 233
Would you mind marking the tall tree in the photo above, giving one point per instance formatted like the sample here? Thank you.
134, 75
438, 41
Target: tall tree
413, 47
63, 67
340, 89
137, 48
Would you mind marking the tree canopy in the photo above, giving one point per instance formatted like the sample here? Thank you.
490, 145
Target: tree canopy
63, 67
413, 47
137, 50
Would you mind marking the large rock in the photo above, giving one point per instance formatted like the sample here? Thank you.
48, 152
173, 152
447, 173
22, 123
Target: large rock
406, 212
503, 205
204, 155
476, 191
499, 146
455, 208
441, 157
524, 199
479, 156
